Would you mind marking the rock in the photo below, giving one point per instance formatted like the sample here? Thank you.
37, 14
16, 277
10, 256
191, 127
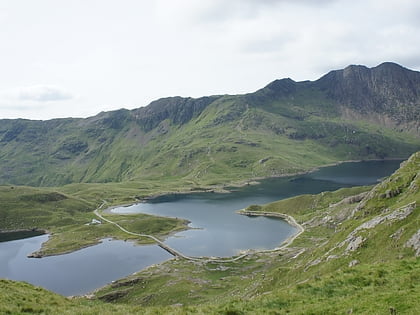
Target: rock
35, 255
397, 234
355, 243
177, 109
354, 263
127, 283
313, 263
113, 296
414, 242
262, 161
332, 257
371, 223
402, 212
350, 200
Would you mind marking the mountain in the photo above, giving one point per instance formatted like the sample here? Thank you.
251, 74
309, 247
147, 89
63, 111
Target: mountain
285, 127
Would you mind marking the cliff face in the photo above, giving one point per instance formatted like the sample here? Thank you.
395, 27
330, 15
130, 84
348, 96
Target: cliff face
177, 109
387, 89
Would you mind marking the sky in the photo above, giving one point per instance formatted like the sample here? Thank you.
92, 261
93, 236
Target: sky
76, 58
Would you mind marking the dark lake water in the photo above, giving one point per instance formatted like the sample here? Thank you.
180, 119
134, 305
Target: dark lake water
78, 272
18, 235
220, 231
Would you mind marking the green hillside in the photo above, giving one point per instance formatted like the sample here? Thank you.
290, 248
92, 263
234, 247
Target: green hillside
284, 128
358, 255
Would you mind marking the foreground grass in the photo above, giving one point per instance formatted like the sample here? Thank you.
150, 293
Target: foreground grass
364, 289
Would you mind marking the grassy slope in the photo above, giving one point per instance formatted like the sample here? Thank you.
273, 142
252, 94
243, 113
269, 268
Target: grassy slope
234, 138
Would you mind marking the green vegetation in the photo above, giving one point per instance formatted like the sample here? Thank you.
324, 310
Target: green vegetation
323, 272
66, 216
23, 298
27, 208
284, 128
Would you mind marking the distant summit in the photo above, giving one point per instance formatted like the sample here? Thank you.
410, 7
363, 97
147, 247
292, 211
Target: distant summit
388, 89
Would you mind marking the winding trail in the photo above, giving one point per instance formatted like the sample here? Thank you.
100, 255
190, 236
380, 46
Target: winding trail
176, 253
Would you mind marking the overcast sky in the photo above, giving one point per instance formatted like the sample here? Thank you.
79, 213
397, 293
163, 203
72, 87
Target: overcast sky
76, 58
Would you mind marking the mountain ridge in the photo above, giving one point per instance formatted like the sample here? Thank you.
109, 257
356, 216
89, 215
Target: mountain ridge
353, 113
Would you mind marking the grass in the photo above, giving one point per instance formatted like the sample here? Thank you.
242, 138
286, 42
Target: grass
225, 142
65, 216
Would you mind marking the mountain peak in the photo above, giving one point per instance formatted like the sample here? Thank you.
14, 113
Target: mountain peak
390, 65
385, 88
285, 85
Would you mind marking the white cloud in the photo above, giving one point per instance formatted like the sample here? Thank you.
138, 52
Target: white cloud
38, 99
35, 93
126, 53
42, 93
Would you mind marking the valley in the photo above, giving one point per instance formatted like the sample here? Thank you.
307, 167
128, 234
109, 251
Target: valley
359, 249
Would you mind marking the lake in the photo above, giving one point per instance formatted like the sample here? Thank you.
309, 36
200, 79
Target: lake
218, 230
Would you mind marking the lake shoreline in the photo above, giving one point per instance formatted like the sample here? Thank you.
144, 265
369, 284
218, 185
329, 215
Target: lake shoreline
221, 189
224, 188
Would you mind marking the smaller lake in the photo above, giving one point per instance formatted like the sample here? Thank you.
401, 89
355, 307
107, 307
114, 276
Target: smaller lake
79, 272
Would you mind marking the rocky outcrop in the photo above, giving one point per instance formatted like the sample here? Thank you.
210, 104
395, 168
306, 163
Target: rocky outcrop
354, 263
388, 89
354, 241
350, 200
177, 109
414, 242
113, 296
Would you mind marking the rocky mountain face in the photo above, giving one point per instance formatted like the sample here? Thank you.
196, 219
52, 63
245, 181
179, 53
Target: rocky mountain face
388, 92
354, 113
177, 109
387, 89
